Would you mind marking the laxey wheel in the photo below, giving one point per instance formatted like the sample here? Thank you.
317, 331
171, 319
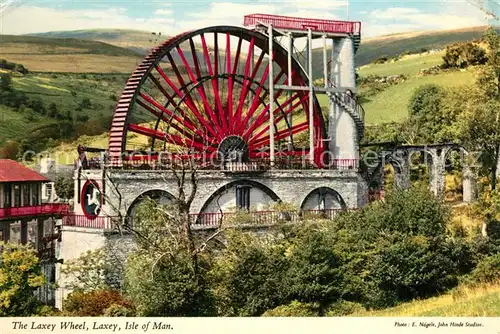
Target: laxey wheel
204, 94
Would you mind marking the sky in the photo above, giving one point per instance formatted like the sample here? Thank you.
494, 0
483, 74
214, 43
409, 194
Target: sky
378, 17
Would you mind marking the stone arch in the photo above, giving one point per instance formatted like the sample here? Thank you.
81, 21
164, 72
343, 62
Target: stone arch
159, 195
217, 204
458, 181
399, 163
422, 162
326, 199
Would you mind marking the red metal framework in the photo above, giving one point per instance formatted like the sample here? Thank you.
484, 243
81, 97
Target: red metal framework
33, 211
201, 87
295, 23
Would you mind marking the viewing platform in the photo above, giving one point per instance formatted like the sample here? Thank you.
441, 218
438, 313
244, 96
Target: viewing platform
296, 24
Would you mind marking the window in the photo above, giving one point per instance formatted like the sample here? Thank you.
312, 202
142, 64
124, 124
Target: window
48, 191
243, 197
35, 194
15, 233
26, 194
33, 234
7, 190
17, 195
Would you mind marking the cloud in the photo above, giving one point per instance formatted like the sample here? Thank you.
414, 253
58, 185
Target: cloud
163, 12
406, 19
30, 19
318, 5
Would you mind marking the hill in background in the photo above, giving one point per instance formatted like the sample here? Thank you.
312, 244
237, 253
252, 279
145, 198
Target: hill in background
42, 54
139, 41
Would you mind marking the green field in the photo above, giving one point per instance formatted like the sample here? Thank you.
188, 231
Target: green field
390, 105
392, 45
68, 92
408, 65
481, 301
13, 124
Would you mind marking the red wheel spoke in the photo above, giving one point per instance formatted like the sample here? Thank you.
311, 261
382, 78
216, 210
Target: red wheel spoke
281, 134
188, 101
176, 90
229, 104
164, 111
242, 124
251, 110
163, 90
219, 109
246, 85
261, 118
188, 143
199, 88
281, 116
180, 80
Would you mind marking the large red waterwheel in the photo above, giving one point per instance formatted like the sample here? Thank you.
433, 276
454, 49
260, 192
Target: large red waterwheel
205, 93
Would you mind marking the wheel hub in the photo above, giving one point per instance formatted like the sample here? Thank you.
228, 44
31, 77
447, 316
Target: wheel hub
233, 148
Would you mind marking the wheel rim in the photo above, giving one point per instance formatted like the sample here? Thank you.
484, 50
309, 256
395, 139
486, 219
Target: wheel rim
188, 97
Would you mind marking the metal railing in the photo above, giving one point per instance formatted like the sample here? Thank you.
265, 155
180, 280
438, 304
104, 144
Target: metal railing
351, 103
152, 162
83, 221
295, 23
213, 219
35, 210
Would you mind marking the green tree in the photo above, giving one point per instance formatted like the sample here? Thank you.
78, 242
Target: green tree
5, 82
87, 272
9, 150
20, 276
431, 119
463, 55
53, 110
64, 187
169, 259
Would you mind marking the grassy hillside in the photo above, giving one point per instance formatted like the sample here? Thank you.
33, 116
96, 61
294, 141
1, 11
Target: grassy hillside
481, 301
81, 95
390, 105
67, 55
392, 45
137, 40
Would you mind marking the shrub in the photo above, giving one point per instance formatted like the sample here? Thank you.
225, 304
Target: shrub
381, 60
343, 308
462, 55
116, 310
397, 250
487, 270
93, 303
294, 309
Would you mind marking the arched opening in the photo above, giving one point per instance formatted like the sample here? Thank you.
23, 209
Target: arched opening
236, 197
323, 200
420, 163
453, 174
161, 197
390, 171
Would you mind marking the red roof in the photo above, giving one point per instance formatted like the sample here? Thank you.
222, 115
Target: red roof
13, 171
